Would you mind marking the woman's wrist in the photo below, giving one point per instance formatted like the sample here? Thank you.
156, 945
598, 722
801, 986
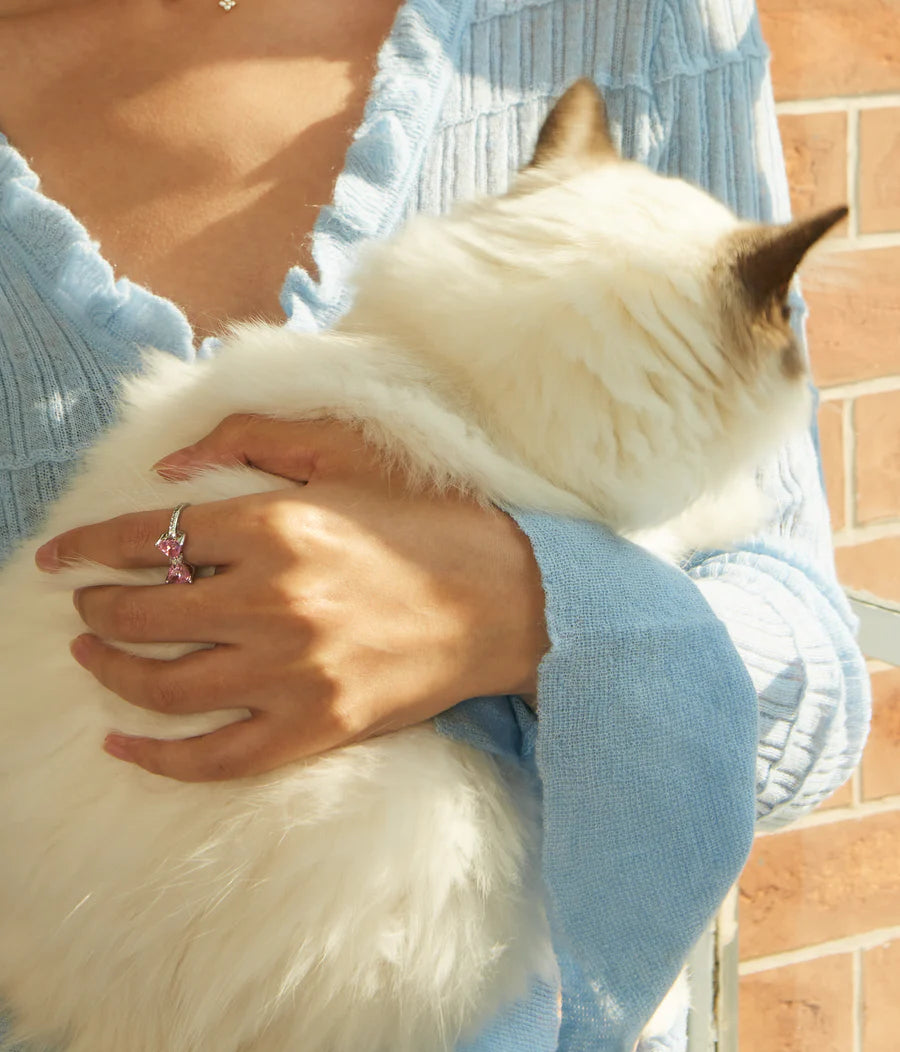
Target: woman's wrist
507, 583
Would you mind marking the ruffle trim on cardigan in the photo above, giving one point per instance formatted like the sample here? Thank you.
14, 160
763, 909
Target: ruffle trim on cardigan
382, 164
63, 260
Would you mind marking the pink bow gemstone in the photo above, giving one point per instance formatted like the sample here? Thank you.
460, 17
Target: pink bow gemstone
180, 573
171, 546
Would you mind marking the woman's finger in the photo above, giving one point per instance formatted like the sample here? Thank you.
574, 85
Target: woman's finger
204, 681
255, 441
129, 541
200, 613
292, 449
241, 749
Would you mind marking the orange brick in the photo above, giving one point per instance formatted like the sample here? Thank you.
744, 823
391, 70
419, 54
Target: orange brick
842, 797
881, 1007
807, 886
832, 47
831, 442
873, 567
854, 302
815, 153
879, 169
801, 1008
881, 760
877, 422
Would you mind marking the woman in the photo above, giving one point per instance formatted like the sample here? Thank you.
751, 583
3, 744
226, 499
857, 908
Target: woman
196, 144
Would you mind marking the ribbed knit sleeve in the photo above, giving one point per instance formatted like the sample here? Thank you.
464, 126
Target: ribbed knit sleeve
777, 595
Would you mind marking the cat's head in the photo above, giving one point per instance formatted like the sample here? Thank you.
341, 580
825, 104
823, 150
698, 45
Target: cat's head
621, 332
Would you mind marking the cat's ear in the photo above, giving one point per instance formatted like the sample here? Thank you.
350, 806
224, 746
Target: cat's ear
765, 257
576, 129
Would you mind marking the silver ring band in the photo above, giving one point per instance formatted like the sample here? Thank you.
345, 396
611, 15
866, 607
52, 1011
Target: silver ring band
171, 544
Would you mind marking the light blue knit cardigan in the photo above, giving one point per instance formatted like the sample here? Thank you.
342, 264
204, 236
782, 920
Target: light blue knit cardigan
650, 726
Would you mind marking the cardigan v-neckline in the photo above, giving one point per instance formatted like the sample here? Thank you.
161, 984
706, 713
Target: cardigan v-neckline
371, 195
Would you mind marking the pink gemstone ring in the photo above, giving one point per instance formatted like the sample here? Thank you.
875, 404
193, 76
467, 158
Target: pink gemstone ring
171, 544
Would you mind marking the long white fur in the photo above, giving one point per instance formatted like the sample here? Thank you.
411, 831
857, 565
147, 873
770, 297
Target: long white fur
559, 348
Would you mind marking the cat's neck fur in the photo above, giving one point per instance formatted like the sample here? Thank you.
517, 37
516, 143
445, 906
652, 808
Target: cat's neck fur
600, 294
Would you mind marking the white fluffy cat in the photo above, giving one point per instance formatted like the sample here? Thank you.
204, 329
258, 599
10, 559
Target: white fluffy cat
600, 342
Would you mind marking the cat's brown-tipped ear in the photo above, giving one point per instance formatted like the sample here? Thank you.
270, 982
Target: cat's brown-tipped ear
765, 257
576, 129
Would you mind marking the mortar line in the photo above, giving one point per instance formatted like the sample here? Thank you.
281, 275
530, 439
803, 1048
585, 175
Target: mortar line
850, 467
848, 451
865, 809
836, 244
857, 1008
868, 940
855, 388
830, 103
850, 536
856, 787
853, 196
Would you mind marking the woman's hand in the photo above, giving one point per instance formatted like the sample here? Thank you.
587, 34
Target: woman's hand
341, 609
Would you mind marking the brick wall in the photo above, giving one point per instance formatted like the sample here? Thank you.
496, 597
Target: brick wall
820, 901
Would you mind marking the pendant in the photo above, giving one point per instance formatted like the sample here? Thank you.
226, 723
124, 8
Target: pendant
227, 5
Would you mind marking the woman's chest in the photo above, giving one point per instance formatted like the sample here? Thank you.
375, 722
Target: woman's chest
199, 166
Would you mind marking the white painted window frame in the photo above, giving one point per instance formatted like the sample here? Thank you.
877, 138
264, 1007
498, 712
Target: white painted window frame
713, 968
879, 626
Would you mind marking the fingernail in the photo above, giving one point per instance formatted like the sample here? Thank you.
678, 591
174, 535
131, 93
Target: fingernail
176, 465
118, 745
46, 557
79, 648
